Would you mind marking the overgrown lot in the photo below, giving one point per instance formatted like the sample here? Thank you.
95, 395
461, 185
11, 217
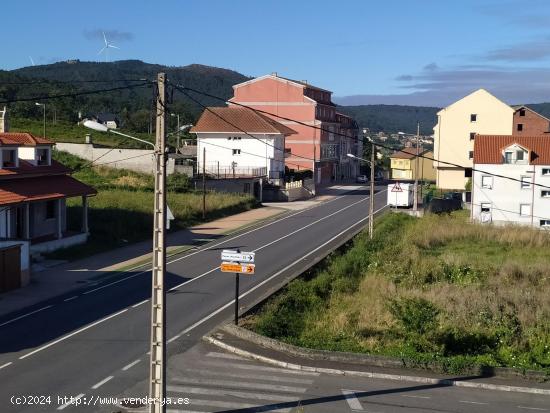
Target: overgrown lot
434, 291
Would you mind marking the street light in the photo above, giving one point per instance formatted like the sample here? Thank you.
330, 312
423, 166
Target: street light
102, 128
371, 199
44, 113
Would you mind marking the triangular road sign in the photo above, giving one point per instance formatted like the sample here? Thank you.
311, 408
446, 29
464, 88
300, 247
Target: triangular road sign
397, 188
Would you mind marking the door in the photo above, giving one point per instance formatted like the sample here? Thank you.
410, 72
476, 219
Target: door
10, 268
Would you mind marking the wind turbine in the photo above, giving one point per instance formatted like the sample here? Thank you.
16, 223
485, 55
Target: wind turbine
105, 49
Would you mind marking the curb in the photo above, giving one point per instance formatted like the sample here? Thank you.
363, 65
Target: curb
372, 375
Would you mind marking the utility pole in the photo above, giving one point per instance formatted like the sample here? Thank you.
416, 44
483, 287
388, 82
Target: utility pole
204, 183
157, 384
415, 194
371, 198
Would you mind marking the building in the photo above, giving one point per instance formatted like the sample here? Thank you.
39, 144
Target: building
527, 122
110, 120
33, 191
317, 145
455, 131
230, 153
404, 163
524, 200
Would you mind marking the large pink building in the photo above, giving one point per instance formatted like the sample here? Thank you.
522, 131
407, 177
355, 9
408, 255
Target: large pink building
310, 148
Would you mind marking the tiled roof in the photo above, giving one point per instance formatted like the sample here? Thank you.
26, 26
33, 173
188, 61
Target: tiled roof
22, 139
407, 153
243, 119
488, 148
40, 189
26, 169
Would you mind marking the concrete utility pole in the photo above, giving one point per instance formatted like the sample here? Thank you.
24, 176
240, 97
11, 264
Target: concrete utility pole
371, 198
415, 194
203, 183
157, 384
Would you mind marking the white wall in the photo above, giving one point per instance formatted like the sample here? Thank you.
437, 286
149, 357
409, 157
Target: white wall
29, 153
506, 195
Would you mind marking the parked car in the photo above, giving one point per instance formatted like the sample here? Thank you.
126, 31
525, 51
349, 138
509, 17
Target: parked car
362, 179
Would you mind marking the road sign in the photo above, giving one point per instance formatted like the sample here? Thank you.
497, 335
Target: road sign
397, 188
236, 256
237, 268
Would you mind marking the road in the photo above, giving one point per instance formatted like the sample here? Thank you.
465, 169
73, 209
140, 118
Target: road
67, 346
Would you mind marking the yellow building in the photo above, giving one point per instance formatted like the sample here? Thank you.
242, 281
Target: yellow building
404, 164
457, 124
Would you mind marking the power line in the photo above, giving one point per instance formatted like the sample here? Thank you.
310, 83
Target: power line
52, 81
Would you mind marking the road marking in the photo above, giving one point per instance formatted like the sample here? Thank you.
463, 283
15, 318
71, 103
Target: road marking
234, 393
26, 315
73, 399
471, 402
416, 397
6, 365
219, 310
71, 298
116, 282
533, 408
174, 338
140, 303
132, 364
215, 354
72, 334
244, 375
249, 385
102, 382
352, 400
243, 366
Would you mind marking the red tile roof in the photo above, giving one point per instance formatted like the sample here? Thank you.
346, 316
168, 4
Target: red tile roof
242, 118
27, 169
40, 189
22, 139
488, 148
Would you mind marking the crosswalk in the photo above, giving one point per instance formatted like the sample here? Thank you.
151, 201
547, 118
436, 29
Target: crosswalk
226, 382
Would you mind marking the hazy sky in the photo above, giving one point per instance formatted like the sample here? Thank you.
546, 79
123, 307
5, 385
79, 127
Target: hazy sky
422, 52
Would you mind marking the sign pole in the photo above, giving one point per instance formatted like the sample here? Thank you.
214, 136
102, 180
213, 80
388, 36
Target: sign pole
236, 298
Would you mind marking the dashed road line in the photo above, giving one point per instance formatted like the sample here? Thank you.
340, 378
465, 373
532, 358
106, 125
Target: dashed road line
132, 364
540, 409
6, 365
471, 402
25, 315
140, 303
71, 298
352, 400
412, 396
102, 382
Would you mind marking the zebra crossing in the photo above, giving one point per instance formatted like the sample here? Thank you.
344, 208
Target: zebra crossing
227, 382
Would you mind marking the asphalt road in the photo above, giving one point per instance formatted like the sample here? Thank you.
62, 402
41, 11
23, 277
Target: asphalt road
71, 346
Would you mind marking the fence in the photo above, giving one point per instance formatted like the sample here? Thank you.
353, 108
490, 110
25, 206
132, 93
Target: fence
228, 172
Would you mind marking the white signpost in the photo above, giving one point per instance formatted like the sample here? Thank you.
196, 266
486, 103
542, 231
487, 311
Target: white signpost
236, 256
237, 262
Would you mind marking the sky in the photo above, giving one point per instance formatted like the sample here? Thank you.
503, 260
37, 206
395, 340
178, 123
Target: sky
412, 52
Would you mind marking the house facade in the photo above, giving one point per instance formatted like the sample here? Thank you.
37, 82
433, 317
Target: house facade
404, 165
524, 200
321, 149
33, 193
527, 122
455, 132
230, 153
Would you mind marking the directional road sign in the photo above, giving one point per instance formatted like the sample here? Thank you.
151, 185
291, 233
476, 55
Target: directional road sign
236, 256
237, 268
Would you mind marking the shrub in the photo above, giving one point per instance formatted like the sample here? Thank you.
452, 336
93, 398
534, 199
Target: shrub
416, 315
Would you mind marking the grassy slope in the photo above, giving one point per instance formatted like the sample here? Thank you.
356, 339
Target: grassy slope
436, 289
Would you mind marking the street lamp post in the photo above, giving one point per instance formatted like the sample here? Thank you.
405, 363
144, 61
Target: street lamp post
178, 131
371, 198
44, 116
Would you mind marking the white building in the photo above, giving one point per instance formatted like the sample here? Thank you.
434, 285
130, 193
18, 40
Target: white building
525, 199
231, 153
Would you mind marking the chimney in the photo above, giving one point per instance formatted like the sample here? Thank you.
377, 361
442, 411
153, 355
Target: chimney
4, 123
274, 74
304, 82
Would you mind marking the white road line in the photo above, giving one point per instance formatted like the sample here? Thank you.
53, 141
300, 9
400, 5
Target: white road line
229, 405
102, 382
140, 303
6, 365
73, 399
219, 310
352, 400
183, 411
240, 384
241, 366
215, 354
71, 298
173, 338
533, 408
116, 282
242, 394
132, 364
26, 315
471, 402
72, 334
416, 397
245, 375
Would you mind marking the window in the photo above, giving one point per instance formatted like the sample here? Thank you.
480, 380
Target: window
9, 158
545, 172
485, 207
487, 182
525, 182
545, 223
236, 151
507, 157
473, 117
519, 155
522, 112
472, 136
471, 155
545, 194
468, 173
42, 157
50, 209
519, 127
525, 210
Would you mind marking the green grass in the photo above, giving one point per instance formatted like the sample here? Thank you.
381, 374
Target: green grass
436, 291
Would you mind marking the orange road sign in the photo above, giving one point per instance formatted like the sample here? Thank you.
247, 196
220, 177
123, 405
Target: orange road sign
238, 268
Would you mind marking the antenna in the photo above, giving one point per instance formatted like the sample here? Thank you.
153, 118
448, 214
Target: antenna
105, 49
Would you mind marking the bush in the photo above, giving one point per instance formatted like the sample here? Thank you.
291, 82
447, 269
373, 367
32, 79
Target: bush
416, 315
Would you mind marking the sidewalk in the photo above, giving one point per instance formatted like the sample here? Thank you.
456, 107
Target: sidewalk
63, 278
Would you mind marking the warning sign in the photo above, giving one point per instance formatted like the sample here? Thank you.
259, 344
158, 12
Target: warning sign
397, 188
